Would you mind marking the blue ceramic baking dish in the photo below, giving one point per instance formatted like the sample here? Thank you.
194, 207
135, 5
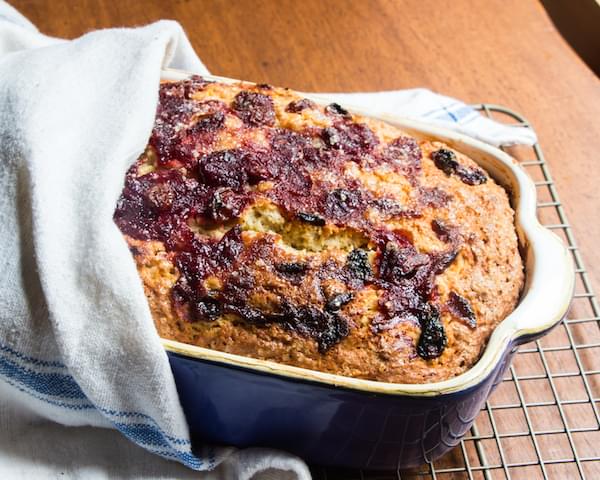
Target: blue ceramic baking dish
339, 421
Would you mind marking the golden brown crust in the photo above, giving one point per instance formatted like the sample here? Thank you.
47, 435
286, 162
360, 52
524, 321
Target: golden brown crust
487, 273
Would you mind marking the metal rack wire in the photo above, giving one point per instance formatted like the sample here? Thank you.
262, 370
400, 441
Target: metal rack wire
542, 421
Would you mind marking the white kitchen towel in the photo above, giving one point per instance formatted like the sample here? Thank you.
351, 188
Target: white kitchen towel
77, 343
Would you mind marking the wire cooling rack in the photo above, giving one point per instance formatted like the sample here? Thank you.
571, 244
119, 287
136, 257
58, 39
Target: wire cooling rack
542, 420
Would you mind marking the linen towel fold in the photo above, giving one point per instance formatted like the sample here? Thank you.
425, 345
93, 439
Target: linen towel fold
77, 342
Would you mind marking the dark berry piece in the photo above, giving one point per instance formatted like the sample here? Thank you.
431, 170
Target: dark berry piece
389, 208
398, 262
289, 148
311, 218
194, 84
254, 109
225, 205
336, 109
441, 230
326, 328
209, 123
183, 89
224, 168
445, 160
291, 268
358, 264
341, 203
296, 106
229, 249
405, 154
444, 232
293, 271
161, 196
252, 315
441, 261
432, 341
461, 308
264, 86
331, 137
206, 309
434, 197
335, 303
151, 203
353, 138
261, 166
471, 176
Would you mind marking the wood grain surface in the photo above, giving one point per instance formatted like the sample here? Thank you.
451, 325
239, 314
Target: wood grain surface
497, 51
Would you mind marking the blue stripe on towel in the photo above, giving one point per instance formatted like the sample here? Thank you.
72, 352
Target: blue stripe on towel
455, 113
143, 433
61, 390
51, 384
31, 360
56, 403
462, 112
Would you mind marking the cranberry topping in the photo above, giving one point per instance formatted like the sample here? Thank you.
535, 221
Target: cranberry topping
389, 208
290, 148
223, 169
461, 308
208, 123
405, 154
174, 137
254, 108
471, 176
441, 261
357, 263
193, 181
446, 161
434, 197
444, 232
147, 202
293, 271
229, 248
351, 138
296, 106
325, 327
400, 261
206, 309
340, 204
311, 218
185, 88
406, 280
259, 165
337, 109
335, 303
226, 204
432, 341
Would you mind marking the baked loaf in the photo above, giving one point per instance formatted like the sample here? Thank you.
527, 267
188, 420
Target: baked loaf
267, 226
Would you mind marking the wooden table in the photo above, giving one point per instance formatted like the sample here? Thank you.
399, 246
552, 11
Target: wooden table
498, 51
